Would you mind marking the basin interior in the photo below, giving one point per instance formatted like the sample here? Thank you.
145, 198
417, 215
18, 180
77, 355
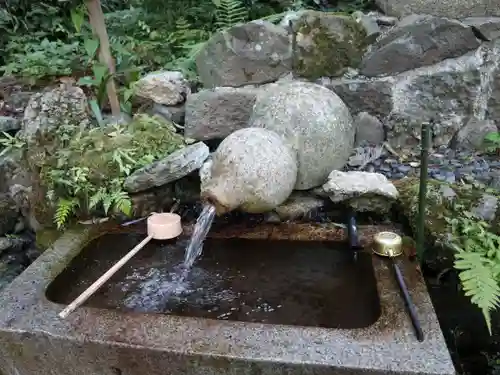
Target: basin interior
305, 283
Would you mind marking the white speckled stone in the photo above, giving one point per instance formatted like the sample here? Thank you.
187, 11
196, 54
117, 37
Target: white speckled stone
252, 169
345, 185
165, 87
315, 122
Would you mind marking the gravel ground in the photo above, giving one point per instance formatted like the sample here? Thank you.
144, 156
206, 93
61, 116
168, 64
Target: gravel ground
444, 164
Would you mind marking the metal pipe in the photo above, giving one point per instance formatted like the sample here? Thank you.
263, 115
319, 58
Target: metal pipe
352, 231
422, 191
352, 234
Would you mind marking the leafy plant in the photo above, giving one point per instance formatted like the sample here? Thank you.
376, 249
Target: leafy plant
36, 59
477, 258
82, 171
492, 141
229, 13
11, 143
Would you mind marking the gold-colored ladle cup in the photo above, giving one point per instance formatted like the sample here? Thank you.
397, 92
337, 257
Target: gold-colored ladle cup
390, 245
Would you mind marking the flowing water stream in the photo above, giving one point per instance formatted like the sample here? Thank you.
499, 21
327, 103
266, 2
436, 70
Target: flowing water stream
200, 231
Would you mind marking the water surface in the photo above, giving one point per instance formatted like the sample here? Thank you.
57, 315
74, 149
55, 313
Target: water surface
304, 283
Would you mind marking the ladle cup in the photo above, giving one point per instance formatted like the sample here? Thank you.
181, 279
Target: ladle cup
390, 245
161, 226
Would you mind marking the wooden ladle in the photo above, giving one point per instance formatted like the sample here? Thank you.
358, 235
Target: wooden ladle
161, 226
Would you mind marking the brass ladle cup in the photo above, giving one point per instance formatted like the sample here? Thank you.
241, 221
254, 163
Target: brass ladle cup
390, 245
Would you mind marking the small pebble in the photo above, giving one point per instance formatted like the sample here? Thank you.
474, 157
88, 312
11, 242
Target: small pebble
404, 168
445, 165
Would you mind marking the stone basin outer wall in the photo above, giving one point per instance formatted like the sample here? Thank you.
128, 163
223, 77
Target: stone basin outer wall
35, 341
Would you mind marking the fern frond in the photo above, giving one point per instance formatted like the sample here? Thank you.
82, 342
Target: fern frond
95, 199
479, 281
107, 202
122, 203
65, 208
229, 13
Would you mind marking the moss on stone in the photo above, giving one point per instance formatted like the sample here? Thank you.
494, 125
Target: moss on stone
45, 238
327, 44
78, 164
443, 201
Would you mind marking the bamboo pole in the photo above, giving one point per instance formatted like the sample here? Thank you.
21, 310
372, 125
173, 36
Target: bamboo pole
96, 17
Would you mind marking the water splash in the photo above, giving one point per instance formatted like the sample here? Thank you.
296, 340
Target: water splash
158, 288
200, 231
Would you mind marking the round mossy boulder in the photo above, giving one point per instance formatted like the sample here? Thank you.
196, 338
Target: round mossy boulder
327, 44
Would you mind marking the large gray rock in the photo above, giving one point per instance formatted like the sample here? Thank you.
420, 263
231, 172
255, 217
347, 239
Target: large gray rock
369, 129
164, 87
371, 96
369, 23
327, 44
245, 53
444, 8
8, 124
488, 28
216, 113
9, 214
451, 92
175, 113
314, 121
454, 92
472, 135
489, 94
178, 164
62, 106
252, 169
418, 40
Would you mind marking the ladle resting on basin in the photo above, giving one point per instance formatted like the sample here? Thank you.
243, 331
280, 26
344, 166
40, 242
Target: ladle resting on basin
161, 226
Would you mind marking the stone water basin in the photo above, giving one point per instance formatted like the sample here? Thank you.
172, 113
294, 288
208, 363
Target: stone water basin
305, 283
286, 299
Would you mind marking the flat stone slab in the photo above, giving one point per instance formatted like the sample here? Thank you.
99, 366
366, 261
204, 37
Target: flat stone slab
34, 340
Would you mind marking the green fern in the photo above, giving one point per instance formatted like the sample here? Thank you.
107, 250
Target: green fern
118, 200
478, 276
122, 203
64, 210
96, 199
229, 13
477, 259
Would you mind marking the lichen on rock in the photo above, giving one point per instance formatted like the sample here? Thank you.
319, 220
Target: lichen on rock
327, 44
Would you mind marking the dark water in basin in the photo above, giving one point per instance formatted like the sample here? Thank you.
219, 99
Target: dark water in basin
281, 282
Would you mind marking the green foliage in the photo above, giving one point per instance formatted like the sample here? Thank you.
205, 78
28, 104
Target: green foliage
229, 13
450, 223
10, 143
38, 59
83, 171
492, 141
477, 254
48, 39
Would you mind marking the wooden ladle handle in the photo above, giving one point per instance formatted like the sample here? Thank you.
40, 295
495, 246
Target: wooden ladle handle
102, 280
